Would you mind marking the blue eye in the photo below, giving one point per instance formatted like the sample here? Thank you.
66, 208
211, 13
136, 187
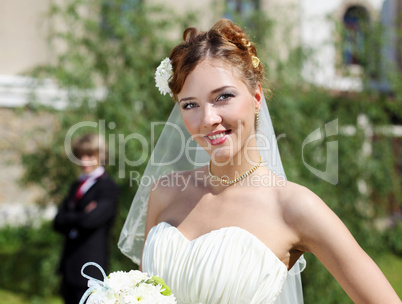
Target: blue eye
225, 96
188, 105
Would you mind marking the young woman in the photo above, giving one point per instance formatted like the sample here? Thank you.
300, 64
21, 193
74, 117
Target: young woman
234, 230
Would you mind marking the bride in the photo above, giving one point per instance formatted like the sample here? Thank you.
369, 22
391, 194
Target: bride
225, 226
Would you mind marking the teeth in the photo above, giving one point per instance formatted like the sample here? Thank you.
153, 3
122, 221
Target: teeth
216, 136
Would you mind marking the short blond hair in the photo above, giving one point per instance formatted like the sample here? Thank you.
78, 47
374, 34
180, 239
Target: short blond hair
90, 144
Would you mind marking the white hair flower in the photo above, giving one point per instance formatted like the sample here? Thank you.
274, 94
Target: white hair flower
162, 75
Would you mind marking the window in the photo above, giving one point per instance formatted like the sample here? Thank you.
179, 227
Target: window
117, 13
356, 22
241, 8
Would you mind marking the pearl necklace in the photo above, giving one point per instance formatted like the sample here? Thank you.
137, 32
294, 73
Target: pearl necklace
232, 181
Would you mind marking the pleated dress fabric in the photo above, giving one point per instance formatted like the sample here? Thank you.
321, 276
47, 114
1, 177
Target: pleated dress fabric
224, 266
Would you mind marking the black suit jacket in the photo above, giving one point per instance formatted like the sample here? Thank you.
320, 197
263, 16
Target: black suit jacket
86, 234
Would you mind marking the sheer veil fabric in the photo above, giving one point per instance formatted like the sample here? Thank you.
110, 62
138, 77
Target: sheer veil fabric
176, 151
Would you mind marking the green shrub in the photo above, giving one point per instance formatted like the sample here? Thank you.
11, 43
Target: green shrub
29, 259
394, 237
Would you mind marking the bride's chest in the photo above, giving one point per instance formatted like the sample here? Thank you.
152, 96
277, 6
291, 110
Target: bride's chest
218, 267
262, 219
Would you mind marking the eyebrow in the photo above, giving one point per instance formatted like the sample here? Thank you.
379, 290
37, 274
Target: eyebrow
185, 99
212, 92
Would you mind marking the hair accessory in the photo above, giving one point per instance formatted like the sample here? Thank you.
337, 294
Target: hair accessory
255, 61
229, 182
245, 42
162, 76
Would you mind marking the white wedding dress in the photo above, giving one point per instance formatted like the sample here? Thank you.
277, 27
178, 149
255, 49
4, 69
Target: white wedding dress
224, 266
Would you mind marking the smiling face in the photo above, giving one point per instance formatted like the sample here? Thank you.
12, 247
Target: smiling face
218, 110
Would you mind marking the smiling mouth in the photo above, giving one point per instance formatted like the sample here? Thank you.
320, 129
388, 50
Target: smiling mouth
219, 135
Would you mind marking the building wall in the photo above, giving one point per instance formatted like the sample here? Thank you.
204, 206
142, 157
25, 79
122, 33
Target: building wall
23, 46
16, 135
285, 15
23, 31
24, 27
318, 33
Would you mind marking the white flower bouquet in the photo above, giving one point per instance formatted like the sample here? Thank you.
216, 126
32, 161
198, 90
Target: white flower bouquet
122, 287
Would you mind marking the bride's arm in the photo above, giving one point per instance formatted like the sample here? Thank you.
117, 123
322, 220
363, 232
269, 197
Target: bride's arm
323, 234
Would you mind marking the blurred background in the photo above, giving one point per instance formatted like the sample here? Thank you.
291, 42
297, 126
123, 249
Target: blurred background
63, 62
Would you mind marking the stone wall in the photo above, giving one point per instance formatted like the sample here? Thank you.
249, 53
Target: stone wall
20, 130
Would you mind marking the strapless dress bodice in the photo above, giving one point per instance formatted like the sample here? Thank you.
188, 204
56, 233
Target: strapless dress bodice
224, 266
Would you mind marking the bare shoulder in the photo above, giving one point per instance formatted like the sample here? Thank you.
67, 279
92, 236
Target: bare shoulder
298, 201
310, 217
167, 187
168, 191
304, 211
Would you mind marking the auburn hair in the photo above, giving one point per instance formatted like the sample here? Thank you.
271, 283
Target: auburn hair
224, 41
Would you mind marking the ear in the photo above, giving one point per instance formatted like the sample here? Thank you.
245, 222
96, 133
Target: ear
258, 97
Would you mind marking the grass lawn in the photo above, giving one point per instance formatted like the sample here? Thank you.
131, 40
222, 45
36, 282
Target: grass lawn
13, 298
391, 266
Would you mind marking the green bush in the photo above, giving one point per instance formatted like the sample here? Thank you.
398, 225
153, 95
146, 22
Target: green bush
394, 237
29, 259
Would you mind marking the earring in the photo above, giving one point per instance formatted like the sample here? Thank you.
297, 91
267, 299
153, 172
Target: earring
257, 119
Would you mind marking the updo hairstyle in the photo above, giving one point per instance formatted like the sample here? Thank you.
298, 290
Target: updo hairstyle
224, 41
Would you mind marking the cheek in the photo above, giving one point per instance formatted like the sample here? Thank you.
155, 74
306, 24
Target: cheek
242, 114
191, 123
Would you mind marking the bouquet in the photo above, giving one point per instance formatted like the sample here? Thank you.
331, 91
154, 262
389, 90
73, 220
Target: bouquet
122, 287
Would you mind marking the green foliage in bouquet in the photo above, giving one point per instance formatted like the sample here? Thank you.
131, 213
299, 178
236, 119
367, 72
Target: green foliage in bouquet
159, 281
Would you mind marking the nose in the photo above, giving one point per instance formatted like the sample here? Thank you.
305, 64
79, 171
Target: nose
84, 157
210, 117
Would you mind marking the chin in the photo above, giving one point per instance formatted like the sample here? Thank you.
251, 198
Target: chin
222, 157
87, 170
